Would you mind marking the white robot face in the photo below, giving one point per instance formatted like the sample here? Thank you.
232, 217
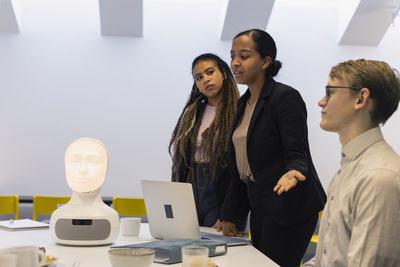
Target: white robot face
85, 164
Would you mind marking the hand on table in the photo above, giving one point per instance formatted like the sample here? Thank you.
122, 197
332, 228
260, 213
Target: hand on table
288, 181
218, 226
229, 229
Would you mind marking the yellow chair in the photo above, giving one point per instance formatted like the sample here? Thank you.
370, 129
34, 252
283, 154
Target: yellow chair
314, 238
9, 204
47, 204
248, 234
126, 206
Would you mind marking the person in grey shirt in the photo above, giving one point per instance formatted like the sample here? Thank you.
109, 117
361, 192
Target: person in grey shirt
360, 225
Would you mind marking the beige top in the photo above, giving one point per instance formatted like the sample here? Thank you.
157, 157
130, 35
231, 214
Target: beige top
360, 225
239, 139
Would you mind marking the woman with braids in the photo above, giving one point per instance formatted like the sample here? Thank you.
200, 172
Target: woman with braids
199, 140
269, 156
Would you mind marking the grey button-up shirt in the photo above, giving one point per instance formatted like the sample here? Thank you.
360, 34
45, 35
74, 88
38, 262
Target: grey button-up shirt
360, 225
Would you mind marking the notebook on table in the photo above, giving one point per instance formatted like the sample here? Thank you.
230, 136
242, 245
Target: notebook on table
230, 241
24, 224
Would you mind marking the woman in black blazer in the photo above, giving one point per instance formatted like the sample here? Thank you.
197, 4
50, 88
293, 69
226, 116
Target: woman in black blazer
272, 173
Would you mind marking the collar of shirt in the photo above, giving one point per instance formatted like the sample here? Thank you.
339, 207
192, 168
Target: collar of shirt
357, 145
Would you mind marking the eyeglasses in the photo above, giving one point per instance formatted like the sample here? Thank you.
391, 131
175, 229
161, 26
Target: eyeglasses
328, 92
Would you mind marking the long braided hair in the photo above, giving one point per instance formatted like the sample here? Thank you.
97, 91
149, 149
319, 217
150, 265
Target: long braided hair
215, 138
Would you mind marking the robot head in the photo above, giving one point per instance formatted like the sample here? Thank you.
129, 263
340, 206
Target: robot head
85, 164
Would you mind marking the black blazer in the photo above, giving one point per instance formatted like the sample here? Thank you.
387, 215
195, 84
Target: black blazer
277, 142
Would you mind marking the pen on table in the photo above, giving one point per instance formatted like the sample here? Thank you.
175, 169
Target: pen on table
11, 221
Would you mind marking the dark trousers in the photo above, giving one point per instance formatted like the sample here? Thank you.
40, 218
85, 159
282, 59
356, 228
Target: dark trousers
283, 244
205, 196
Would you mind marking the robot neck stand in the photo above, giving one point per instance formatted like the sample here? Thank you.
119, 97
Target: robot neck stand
87, 198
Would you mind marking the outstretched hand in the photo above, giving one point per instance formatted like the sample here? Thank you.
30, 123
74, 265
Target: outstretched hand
288, 181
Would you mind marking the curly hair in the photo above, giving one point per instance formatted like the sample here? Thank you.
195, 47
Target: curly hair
215, 138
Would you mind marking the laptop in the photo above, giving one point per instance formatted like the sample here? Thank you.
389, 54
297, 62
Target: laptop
171, 210
171, 213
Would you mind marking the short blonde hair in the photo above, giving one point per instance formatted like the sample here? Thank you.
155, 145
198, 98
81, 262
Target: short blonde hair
381, 80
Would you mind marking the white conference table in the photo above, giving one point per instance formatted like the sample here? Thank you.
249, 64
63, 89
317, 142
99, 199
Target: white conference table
69, 256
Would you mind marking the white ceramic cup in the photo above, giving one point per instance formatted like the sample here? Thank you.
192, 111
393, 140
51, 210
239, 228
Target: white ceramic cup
8, 260
131, 257
130, 226
194, 256
27, 256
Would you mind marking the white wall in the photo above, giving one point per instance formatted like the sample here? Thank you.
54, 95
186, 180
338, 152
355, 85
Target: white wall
61, 80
